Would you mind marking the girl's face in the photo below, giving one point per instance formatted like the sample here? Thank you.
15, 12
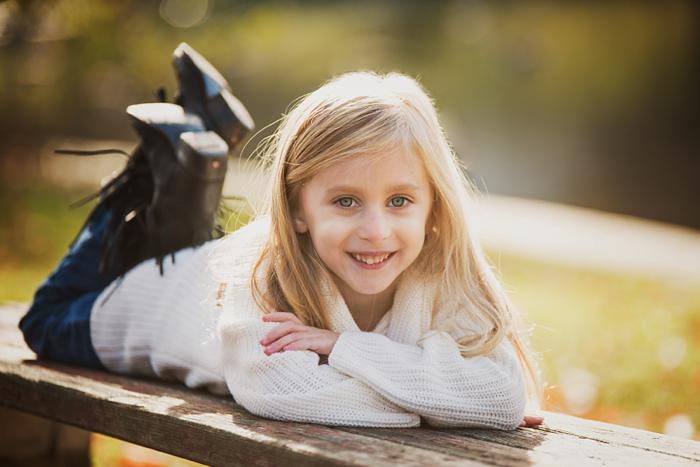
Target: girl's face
367, 220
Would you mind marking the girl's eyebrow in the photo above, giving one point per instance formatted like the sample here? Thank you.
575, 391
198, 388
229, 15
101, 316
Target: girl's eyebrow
349, 188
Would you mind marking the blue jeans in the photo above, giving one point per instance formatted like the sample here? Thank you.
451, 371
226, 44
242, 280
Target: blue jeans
57, 325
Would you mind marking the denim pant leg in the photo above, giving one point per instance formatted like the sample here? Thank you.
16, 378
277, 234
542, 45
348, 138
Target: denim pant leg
57, 325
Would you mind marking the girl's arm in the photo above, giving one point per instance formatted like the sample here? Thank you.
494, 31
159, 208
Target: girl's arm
434, 381
292, 385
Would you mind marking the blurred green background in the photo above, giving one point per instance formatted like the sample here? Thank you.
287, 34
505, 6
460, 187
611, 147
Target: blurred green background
590, 104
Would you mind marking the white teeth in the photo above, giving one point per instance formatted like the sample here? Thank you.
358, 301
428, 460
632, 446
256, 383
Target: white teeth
370, 259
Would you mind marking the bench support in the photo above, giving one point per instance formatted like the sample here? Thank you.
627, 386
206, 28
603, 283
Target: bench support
28, 440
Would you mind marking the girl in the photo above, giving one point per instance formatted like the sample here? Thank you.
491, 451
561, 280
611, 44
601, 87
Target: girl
359, 296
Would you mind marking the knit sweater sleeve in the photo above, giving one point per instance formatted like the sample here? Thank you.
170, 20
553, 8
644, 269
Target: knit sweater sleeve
434, 381
293, 386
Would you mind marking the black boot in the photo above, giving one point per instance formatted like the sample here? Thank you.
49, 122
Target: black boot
167, 196
204, 92
186, 171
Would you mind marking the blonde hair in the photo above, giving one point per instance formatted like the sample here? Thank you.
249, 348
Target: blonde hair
366, 113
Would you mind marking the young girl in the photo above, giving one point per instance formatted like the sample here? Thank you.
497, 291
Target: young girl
358, 297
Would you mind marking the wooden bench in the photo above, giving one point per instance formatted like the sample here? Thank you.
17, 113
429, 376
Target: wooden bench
214, 430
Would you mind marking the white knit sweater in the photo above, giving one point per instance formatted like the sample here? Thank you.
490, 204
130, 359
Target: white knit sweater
185, 326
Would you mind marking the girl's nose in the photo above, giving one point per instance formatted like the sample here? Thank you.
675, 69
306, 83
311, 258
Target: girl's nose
374, 226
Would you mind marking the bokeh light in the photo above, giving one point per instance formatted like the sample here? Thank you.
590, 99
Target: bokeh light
679, 425
184, 13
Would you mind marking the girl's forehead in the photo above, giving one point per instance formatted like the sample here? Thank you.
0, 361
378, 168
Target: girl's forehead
391, 172
393, 167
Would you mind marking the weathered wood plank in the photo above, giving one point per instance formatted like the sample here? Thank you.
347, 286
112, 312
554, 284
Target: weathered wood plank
549, 445
216, 431
197, 426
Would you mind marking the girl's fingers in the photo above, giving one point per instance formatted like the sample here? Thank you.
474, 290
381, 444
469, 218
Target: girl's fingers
279, 331
280, 317
532, 420
304, 343
280, 343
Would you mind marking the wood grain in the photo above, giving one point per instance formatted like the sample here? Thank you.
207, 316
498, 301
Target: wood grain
214, 430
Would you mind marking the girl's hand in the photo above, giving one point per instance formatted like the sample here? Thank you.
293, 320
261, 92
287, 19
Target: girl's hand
293, 335
532, 420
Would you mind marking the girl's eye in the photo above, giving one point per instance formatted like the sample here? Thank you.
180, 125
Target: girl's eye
399, 201
344, 202
396, 202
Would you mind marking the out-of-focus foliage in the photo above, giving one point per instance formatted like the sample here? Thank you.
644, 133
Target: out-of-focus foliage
602, 94
615, 347
480, 60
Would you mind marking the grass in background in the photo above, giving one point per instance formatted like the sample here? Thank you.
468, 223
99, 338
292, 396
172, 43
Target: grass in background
614, 347
109, 452
37, 227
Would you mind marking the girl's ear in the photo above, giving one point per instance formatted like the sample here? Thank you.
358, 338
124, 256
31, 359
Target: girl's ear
299, 223
298, 218
432, 222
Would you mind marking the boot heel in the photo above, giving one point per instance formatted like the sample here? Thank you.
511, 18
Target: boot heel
163, 119
183, 212
204, 154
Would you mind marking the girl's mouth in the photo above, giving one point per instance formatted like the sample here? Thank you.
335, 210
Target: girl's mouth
371, 261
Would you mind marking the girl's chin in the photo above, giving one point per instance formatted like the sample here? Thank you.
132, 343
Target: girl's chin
369, 291
371, 287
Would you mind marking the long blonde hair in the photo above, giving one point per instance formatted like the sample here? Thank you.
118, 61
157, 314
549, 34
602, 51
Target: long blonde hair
366, 113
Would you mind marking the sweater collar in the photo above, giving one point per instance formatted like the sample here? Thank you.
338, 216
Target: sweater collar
408, 319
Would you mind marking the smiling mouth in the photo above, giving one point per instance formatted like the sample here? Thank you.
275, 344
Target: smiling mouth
372, 260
